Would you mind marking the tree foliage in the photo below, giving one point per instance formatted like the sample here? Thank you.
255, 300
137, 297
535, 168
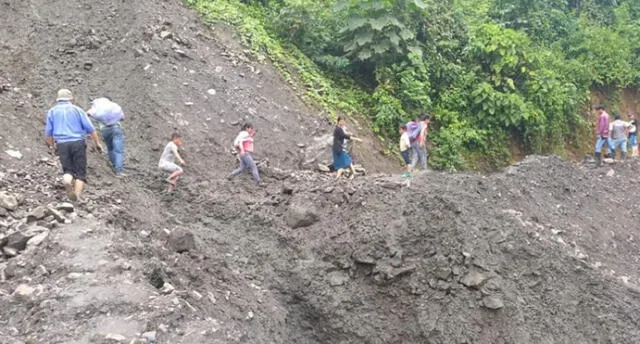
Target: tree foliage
491, 71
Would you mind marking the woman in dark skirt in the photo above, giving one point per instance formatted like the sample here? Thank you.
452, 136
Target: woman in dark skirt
341, 158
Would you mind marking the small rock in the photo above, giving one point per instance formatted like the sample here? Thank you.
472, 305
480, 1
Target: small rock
38, 239
56, 214
8, 201
68, 207
218, 69
14, 154
23, 292
301, 145
167, 288
443, 273
88, 65
150, 336
211, 91
16, 240
116, 337
337, 278
166, 34
299, 216
188, 103
473, 279
196, 295
164, 328
611, 173
37, 214
144, 234
9, 252
182, 241
492, 302
156, 279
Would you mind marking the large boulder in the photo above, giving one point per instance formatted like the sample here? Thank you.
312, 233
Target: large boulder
299, 216
182, 240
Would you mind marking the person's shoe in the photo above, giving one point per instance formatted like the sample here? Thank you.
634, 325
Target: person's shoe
121, 175
67, 180
405, 175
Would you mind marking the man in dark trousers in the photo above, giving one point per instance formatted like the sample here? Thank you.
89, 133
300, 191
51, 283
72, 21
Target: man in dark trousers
67, 127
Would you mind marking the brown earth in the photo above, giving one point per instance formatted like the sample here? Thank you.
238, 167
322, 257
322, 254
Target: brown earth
544, 252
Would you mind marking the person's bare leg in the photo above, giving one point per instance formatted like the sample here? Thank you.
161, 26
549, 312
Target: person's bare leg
67, 180
353, 171
78, 188
339, 173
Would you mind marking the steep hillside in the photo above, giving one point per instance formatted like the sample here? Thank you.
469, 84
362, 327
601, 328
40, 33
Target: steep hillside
545, 252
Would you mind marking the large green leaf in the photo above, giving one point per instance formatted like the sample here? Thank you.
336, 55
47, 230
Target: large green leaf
381, 48
363, 38
420, 4
365, 54
406, 34
379, 23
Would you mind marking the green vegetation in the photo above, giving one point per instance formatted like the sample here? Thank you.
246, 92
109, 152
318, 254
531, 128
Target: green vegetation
492, 72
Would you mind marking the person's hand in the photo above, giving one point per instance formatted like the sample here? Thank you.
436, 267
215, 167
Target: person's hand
100, 148
242, 153
183, 163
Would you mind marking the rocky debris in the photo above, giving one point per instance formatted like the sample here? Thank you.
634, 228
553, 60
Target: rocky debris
323, 168
337, 278
14, 153
473, 279
492, 302
298, 216
156, 278
166, 35
8, 201
115, 337
388, 272
611, 173
211, 92
56, 214
23, 292
182, 240
67, 207
37, 214
167, 288
150, 336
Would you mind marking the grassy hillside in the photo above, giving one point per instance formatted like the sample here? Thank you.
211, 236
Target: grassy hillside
493, 73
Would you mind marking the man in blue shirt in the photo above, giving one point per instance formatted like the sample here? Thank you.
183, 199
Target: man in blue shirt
67, 127
109, 114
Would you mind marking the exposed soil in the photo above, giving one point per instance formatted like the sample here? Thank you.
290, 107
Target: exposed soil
543, 252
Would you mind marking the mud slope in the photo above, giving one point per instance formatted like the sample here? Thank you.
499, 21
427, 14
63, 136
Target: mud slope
545, 252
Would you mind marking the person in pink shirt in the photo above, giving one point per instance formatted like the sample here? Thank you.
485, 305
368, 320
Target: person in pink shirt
602, 130
244, 145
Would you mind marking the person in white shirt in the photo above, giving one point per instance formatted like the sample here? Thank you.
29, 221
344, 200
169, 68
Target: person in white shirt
168, 159
405, 149
618, 130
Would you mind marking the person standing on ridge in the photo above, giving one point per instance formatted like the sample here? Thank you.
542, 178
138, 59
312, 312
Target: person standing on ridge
422, 141
109, 115
168, 159
405, 149
618, 130
66, 127
633, 135
414, 128
243, 144
341, 158
602, 130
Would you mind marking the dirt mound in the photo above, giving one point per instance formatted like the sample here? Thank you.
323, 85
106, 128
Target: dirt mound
542, 253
